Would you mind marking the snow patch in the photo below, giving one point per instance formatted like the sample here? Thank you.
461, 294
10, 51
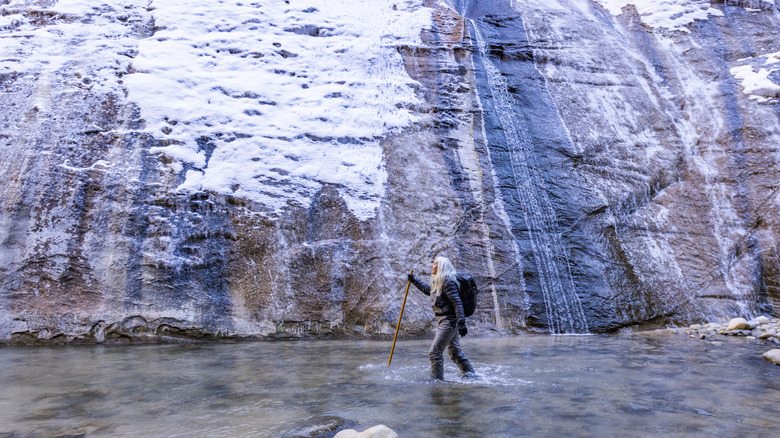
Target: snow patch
78, 44
101, 163
269, 101
665, 14
759, 77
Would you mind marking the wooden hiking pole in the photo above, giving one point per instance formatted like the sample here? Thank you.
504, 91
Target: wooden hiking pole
399, 318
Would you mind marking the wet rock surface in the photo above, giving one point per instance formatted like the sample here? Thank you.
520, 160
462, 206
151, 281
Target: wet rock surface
634, 168
590, 170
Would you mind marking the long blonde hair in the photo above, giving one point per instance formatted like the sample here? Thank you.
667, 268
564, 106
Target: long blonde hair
444, 269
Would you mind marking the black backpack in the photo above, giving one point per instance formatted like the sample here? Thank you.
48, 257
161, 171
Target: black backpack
467, 289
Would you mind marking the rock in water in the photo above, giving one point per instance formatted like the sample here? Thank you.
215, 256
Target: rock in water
315, 427
380, 431
773, 356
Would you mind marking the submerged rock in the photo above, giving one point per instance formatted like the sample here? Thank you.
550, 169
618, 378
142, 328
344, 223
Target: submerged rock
313, 427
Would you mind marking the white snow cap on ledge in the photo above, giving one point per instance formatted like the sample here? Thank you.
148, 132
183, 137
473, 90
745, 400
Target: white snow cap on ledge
757, 83
668, 14
270, 100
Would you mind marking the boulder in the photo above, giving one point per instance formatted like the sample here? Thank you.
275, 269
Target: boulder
773, 356
762, 320
738, 324
380, 431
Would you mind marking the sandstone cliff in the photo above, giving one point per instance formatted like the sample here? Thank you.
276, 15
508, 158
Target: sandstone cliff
179, 171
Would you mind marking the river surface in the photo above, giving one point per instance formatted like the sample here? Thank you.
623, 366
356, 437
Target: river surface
533, 385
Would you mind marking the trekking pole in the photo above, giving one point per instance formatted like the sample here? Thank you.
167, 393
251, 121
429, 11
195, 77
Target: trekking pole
399, 318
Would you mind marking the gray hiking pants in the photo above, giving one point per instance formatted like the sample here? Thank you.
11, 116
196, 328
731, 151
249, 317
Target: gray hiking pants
446, 337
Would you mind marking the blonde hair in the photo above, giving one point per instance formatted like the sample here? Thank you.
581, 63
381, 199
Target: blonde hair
444, 269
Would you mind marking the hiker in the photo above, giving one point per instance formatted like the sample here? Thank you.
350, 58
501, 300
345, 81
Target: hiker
450, 317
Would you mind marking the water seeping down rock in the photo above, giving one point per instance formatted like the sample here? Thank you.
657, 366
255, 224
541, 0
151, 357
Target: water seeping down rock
274, 169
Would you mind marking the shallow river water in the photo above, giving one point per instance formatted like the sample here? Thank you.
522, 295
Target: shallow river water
533, 385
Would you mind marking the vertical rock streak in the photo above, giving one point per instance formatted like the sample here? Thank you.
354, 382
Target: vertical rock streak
563, 307
500, 211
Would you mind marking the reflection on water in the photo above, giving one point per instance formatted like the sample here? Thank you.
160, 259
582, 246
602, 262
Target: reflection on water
646, 385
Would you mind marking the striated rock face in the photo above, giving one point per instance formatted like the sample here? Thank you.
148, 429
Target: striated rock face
274, 169
650, 149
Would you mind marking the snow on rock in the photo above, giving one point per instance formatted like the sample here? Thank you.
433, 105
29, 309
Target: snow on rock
75, 38
667, 14
264, 100
760, 77
270, 100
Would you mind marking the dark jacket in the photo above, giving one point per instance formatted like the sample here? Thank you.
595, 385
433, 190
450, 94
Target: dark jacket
448, 303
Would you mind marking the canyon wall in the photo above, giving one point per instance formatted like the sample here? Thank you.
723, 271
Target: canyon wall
175, 171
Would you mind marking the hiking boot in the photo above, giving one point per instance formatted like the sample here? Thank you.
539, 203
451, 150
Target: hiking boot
437, 371
466, 370
469, 375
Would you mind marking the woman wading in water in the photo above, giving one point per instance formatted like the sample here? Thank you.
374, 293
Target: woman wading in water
450, 318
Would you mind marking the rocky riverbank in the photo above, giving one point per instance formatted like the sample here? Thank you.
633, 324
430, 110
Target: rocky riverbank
761, 329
